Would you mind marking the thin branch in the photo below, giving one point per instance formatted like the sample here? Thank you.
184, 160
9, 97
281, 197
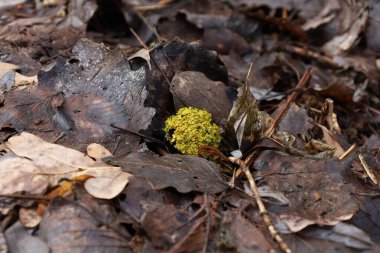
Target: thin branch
347, 151
26, 197
302, 82
262, 209
157, 6
367, 169
208, 223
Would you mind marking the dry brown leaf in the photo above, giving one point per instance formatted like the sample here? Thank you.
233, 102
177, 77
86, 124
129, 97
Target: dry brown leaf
11, 78
29, 217
35, 164
97, 151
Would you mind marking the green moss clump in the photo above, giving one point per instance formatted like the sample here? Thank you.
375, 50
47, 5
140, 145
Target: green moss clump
191, 128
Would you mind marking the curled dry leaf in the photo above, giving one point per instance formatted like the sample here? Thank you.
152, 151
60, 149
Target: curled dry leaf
246, 121
345, 41
142, 53
10, 78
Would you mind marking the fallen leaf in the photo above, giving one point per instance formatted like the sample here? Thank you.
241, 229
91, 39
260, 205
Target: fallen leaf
368, 217
183, 172
29, 217
325, 15
343, 233
10, 78
107, 183
331, 140
97, 151
232, 234
34, 164
168, 217
317, 189
70, 226
344, 42
194, 89
142, 53
80, 112
246, 121
19, 239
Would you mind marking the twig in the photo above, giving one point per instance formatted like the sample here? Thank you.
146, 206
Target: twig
137, 37
194, 229
208, 223
137, 133
302, 82
367, 194
27, 197
116, 146
373, 109
157, 6
59, 137
347, 151
367, 169
310, 54
150, 27
262, 209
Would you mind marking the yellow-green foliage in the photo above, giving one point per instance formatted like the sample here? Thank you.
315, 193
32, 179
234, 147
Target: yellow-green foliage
191, 128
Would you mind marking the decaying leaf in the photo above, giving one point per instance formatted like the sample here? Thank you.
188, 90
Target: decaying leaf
183, 172
232, 234
316, 188
69, 226
93, 93
90, 98
343, 42
164, 215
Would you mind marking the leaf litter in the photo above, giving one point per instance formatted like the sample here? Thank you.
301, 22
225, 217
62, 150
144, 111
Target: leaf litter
86, 88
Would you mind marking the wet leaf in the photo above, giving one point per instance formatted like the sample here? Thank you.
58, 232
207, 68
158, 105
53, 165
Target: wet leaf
184, 172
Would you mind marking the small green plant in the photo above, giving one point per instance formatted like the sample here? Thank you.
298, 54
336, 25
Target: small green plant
191, 128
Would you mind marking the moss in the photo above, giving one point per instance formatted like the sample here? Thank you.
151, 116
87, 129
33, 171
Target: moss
191, 128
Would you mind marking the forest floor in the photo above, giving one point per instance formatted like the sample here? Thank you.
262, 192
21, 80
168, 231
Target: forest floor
90, 163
